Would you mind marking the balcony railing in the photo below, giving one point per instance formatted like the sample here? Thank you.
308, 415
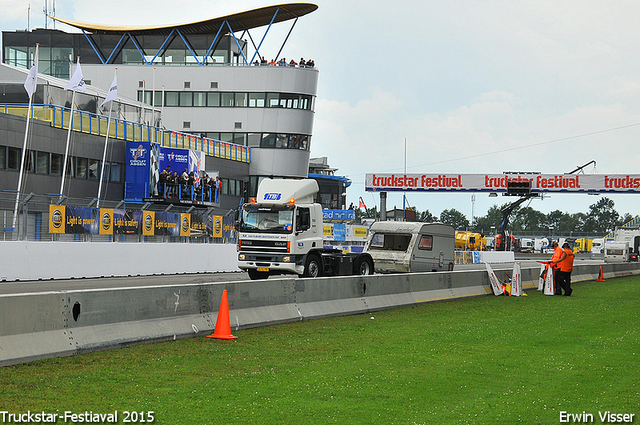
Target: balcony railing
87, 122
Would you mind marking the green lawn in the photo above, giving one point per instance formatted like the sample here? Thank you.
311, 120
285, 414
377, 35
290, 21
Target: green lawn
488, 360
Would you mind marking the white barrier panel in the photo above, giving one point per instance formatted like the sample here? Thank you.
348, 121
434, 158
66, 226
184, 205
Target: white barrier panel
35, 326
65, 260
496, 256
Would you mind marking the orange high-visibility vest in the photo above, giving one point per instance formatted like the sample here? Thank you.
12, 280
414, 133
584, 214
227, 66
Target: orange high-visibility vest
566, 265
556, 256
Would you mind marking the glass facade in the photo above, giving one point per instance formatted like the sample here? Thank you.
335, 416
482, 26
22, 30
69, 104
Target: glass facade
58, 50
229, 99
40, 162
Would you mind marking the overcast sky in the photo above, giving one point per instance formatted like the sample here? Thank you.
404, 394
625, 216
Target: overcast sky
472, 86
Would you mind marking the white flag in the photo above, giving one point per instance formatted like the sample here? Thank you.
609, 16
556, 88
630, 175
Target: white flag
113, 92
77, 81
493, 280
516, 280
32, 77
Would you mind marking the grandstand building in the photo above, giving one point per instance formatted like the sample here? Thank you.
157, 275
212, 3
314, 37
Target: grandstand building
201, 86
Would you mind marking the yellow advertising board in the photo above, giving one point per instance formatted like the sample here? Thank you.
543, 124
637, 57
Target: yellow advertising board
57, 218
148, 220
106, 221
185, 224
217, 226
359, 232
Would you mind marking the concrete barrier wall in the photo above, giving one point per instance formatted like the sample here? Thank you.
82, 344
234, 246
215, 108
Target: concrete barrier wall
64, 260
35, 326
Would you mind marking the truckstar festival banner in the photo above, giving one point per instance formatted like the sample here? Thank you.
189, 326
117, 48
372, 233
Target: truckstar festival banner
540, 183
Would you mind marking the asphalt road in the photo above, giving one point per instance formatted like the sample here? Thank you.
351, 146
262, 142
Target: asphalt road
27, 287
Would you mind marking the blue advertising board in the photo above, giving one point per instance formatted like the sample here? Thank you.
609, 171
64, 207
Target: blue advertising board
146, 160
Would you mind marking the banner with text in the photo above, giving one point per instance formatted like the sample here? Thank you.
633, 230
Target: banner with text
107, 221
540, 183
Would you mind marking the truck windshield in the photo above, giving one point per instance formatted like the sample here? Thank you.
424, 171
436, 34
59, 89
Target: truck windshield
267, 218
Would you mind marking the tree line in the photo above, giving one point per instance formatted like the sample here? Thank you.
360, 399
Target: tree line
600, 219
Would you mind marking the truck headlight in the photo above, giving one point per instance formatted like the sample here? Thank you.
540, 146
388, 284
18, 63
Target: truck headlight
286, 259
241, 257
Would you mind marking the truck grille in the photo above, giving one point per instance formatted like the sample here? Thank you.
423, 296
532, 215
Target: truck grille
252, 245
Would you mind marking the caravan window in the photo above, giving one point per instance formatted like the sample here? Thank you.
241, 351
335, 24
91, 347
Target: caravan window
426, 242
390, 242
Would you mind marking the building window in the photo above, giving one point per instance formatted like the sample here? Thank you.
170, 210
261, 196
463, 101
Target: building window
186, 124
241, 100
186, 98
3, 157
213, 99
199, 99
187, 84
13, 158
214, 85
116, 172
268, 140
29, 162
81, 167
56, 164
256, 100
171, 98
272, 100
42, 163
240, 139
227, 99
70, 168
94, 169
254, 139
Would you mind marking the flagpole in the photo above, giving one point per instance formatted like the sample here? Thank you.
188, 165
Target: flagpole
104, 153
24, 145
111, 96
24, 151
66, 151
76, 83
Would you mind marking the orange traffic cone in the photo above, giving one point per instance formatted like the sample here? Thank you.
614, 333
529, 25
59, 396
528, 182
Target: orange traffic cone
223, 327
600, 277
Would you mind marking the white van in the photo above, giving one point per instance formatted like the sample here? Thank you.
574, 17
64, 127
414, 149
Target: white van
397, 246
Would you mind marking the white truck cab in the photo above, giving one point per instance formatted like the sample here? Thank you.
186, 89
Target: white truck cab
281, 232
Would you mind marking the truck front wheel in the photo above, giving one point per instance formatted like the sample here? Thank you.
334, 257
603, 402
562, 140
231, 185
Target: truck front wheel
364, 266
313, 266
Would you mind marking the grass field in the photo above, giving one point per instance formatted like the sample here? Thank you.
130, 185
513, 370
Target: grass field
487, 360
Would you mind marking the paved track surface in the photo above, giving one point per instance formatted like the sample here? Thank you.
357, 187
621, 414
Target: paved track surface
24, 287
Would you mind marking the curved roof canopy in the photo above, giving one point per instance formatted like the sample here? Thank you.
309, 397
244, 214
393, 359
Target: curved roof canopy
239, 22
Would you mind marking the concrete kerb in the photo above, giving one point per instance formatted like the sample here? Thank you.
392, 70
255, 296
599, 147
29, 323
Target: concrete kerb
36, 326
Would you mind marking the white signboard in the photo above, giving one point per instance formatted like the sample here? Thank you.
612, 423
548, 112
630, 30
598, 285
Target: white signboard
540, 183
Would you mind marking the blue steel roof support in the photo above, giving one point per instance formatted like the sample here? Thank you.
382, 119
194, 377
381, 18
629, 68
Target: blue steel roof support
95, 49
135, 43
285, 40
236, 40
213, 43
116, 48
166, 40
186, 43
264, 36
